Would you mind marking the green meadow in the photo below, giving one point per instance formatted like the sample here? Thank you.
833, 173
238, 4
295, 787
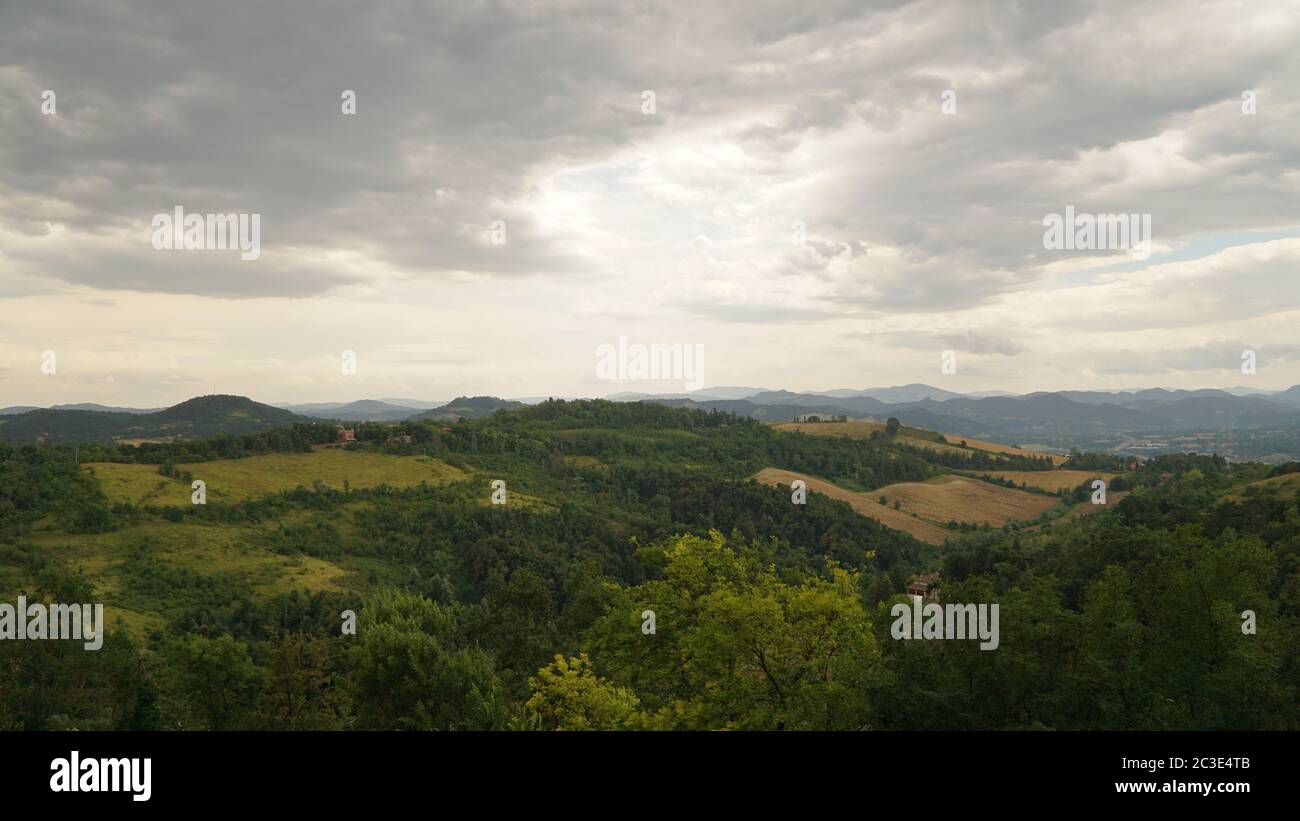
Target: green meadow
246, 557
235, 479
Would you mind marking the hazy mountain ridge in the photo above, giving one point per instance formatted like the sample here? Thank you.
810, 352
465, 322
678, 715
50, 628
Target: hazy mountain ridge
469, 407
87, 406
193, 418
1137, 421
362, 410
216, 414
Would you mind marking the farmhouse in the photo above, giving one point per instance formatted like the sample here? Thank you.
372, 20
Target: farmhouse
925, 586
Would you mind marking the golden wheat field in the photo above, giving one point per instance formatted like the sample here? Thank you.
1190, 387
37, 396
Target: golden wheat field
1051, 480
862, 429
866, 504
963, 499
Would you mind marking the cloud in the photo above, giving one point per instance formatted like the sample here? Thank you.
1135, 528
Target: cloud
1219, 355
456, 114
922, 228
983, 342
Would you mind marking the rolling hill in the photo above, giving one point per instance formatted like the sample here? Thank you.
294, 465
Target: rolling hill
1260, 425
194, 418
863, 503
469, 407
611, 502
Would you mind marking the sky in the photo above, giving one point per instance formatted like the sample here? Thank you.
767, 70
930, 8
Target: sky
815, 196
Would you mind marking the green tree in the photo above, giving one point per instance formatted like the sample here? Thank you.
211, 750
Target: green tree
409, 672
217, 679
300, 692
568, 695
736, 646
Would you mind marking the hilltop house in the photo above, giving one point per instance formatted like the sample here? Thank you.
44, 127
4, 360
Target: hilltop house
820, 417
925, 586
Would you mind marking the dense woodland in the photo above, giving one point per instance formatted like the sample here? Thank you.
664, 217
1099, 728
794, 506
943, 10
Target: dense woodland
768, 615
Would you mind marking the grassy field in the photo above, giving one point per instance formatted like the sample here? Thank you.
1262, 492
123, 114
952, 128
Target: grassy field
138, 484
864, 503
201, 560
916, 437
1051, 480
1288, 484
235, 479
203, 548
226, 557
248, 559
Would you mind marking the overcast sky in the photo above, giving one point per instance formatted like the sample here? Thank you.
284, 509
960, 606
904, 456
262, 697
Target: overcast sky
799, 202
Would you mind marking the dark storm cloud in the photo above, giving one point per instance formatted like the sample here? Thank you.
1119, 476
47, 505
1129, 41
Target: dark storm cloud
228, 110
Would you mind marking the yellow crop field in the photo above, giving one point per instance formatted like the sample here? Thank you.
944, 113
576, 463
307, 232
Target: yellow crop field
1052, 480
866, 504
962, 499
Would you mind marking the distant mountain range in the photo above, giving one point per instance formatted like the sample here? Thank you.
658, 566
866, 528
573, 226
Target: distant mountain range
86, 406
1240, 421
703, 393
388, 410
469, 407
210, 415
916, 392
364, 410
1028, 414
192, 419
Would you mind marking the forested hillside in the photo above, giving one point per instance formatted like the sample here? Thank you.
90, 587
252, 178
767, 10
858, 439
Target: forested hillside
531, 613
194, 418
